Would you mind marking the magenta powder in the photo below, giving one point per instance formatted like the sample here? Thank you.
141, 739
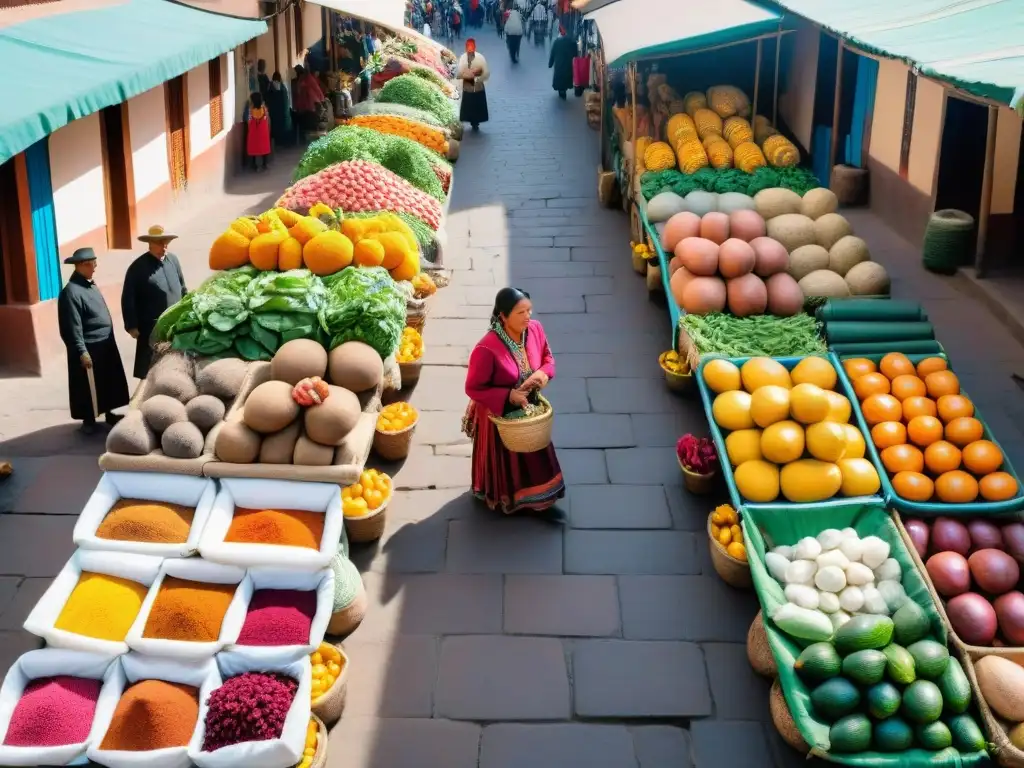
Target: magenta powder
278, 617
53, 712
249, 707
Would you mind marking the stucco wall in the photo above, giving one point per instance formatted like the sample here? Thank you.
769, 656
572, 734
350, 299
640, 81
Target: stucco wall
146, 119
887, 117
76, 173
312, 27
199, 110
926, 139
1004, 179
796, 101
265, 49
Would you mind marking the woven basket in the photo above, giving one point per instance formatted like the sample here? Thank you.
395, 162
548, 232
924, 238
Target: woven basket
654, 284
529, 434
759, 653
348, 619
394, 446
416, 320
368, 527
411, 371
735, 573
639, 264
677, 382
330, 706
697, 484
1003, 751
783, 720
320, 758
948, 241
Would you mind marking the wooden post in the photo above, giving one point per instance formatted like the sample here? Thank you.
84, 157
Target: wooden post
757, 81
833, 149
16, 237
986, 190
775, 89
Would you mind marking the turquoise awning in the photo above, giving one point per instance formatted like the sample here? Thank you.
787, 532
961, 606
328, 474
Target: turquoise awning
975, 45
66, 66
637, 29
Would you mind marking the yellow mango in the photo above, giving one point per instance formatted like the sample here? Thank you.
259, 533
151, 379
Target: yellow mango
808, 480
307, 228
368, 253
327, 253
245, 227
230, 250
408, 269
289, 254
263, 249
396, 250
288, 218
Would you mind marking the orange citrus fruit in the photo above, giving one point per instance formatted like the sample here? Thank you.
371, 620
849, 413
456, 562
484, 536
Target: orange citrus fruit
903, 458
878, 408
888, 433
870, 384
896, 364
953, 407
924, 430
982, 457
918, 406
998, 486
964, 430
856, 367
942, 383
941, 456
931, 365
956, 487
907, 385
913, 486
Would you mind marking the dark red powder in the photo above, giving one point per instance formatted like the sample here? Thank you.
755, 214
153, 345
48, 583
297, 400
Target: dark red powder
249, 707
54, 712
278, 617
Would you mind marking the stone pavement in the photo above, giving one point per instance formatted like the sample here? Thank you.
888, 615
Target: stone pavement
503, 642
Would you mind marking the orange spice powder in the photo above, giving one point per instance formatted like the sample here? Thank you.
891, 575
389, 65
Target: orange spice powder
157, 522
192, 611
288, 527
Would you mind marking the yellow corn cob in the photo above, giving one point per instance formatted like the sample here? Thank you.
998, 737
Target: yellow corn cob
659, 157
736, 130
719, 152
680, 124
747, 157
781, 152
707, 122
692, 156
728, 100
694, 100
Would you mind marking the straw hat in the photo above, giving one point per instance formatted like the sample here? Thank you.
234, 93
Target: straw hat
156, 234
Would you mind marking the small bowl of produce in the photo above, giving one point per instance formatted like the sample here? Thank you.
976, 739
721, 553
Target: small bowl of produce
330, 681
728, 550
698, 460
364, 505
678, 376
396, 424
410, 355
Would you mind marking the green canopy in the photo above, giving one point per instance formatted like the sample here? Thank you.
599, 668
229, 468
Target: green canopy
66, 66
974, 45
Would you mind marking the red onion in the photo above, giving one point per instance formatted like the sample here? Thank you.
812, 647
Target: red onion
919, 533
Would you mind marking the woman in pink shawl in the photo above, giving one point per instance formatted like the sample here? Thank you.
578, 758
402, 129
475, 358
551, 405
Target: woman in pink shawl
508, 364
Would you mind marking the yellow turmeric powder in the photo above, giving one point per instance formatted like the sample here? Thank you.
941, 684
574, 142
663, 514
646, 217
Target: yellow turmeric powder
102, 606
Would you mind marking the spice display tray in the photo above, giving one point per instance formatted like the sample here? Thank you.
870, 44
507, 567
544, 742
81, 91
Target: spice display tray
321, 582
49, 662
141, 568
190, 570
197, 492
273, 753
133, 668
251, 493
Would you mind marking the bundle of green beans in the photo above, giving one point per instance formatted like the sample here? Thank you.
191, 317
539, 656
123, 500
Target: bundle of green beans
759, 335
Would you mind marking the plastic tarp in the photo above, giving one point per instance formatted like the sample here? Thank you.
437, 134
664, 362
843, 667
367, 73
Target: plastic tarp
63, 67
637, 29
973, 44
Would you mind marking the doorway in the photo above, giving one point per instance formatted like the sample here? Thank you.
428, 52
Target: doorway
177, 132
962, 156
118, 181
18, 279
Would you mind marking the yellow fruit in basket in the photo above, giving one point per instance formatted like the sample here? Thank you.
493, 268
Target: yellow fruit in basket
359, 499
721, 376
808, 403
326, 668
769, 404
839, 408
783, 442
808, 480
731, 410
826, 441
815, 370
737, 550
757, 481
855, 446
396, 417
859, 477
743, 445
761, 371
723, 515
724, 536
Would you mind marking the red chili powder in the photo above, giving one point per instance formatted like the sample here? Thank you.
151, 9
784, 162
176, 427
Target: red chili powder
249, 707
278, 617
54, 712
290, 527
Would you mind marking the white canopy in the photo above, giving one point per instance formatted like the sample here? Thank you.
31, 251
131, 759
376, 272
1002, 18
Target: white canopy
388, 13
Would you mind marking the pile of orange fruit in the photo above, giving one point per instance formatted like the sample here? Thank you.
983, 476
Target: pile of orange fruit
396, 417
726, 531
926, 432
366, 496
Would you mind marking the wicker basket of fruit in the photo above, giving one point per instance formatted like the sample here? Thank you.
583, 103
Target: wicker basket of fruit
330, 682
678, 376
410, 355
416, 314
365, 505
728, 552
529, 432
395, 427
698, 461
641, 256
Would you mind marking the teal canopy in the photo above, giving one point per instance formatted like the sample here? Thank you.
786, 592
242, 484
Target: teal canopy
974, 45
638, 29
63, 67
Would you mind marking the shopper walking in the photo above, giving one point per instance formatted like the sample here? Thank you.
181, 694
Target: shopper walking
507, 367
513, 33
88, 335
257, 134
457, 22
307, 95
473, 73
563, 51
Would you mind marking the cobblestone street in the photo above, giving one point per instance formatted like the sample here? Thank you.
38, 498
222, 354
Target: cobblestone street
505, 642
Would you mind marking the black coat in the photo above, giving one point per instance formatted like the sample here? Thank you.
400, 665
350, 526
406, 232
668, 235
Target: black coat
563, 51
86, 328
151, 285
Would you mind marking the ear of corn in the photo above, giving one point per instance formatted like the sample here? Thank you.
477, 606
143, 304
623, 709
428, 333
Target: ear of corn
747, 157
692, 156
728, 100
693, 101
736, 131
680, 127
659, 157
781, 152
719, 153
707, 122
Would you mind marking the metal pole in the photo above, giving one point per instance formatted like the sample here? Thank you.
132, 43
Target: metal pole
834, 144
775, 89
757, 81
985, 208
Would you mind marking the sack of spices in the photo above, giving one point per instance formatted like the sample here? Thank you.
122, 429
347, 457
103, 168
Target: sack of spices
286, 613
146, 513
55, 702
156, 708
94, 601
231, 735
189, 610
274, 524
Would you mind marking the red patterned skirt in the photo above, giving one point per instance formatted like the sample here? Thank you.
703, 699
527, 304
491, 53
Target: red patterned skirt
512, 482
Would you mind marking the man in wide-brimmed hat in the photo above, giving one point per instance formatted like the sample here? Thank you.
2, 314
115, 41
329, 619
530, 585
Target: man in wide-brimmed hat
153, 282
88, 333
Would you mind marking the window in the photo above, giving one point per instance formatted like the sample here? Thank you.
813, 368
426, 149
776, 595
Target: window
908, 124
216, 98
